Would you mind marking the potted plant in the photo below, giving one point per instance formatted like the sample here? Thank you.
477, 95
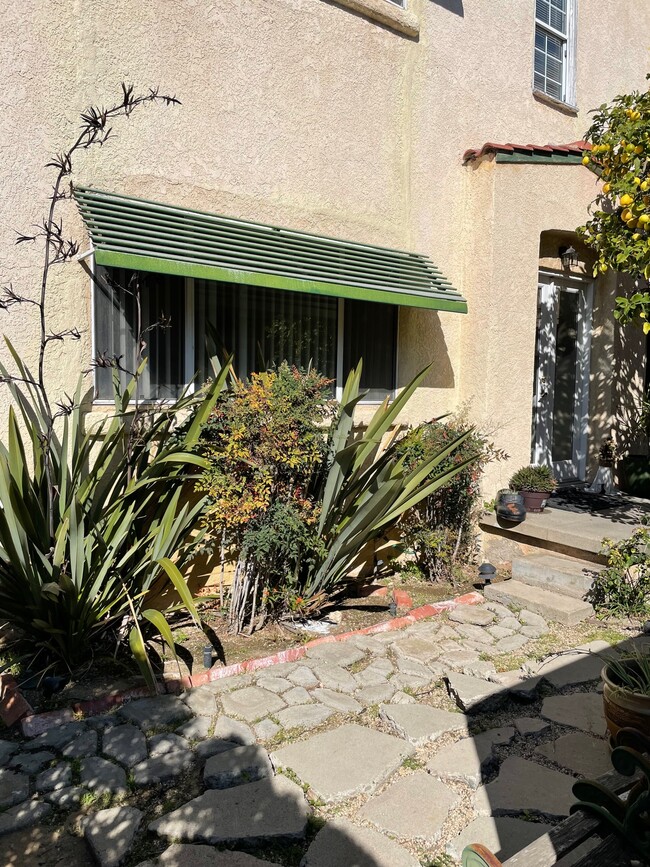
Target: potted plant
626, 693
534, 484
510, 506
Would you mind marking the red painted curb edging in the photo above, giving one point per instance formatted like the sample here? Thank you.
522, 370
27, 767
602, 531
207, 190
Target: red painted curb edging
292, 654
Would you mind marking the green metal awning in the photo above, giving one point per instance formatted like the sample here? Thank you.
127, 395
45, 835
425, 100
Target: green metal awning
148, 236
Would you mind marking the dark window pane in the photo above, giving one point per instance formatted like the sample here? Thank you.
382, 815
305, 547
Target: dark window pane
262, 327
371, 335
159, 318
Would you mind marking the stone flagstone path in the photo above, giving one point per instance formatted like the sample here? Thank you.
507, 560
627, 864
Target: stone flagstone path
376, 751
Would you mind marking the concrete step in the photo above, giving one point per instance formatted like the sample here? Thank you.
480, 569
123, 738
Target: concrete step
551, 605
560, 574
557, 532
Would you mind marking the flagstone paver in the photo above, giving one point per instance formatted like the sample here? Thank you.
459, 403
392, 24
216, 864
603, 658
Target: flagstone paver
473, 693
160, 769
200, 701
58, 777
110, 833
151, 713
31, 763
342, 843
420, 723
478, 615
126, 744
580, 710
304, 715
468, 760
197, 855
81, 747
23, 816
527, 725
272, 809
102, 776
341, 653
228, 729
523, 785
580, 753
14, 788
337, 700
335, 677
251, 703
347, 761
238, 766
66, 798
196, 729
570, 669
414, 806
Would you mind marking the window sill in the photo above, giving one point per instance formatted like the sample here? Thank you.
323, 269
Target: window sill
564, 107
389, 14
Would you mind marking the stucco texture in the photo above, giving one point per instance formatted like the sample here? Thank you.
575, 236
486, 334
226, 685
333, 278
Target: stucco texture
308, 114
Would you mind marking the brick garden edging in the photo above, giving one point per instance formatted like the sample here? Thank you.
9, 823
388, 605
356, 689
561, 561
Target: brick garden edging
34, 724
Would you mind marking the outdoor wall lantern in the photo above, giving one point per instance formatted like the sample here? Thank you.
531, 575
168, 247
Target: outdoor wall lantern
569, 256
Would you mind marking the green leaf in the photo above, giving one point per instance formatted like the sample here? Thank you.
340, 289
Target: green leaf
139, 651
181, 588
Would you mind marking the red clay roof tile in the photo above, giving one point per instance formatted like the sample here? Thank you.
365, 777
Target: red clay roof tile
573, 148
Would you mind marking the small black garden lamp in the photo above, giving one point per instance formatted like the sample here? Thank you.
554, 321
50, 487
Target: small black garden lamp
486, 572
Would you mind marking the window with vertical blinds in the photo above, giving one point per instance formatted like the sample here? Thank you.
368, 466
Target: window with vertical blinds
259, 326
132, 303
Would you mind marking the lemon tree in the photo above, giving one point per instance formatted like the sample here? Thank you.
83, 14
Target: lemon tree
619, 228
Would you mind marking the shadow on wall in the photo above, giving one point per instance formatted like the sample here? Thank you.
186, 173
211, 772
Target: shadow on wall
455, 6
421, 342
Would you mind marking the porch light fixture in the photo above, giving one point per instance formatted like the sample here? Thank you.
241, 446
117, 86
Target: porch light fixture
568, 255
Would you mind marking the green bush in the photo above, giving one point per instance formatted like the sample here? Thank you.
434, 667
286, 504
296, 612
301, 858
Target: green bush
300, 500
624, 586
264, 442
533, 479
440, 531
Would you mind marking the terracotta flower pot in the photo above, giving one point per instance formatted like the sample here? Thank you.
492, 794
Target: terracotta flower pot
534, 501
623, 708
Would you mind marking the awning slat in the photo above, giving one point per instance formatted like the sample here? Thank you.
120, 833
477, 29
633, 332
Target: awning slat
142, 235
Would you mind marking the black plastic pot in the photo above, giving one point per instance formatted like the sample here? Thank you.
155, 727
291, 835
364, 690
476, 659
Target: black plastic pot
510, 507
634, 472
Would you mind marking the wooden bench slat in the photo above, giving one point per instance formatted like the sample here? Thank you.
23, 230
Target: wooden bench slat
612, 852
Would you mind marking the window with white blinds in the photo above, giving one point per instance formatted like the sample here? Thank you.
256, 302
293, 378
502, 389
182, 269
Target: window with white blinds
183, 321
554, 72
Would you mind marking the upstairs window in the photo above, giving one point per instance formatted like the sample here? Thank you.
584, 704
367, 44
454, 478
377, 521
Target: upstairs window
555, 49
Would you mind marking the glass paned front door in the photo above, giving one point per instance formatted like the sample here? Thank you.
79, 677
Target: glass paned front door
561, 397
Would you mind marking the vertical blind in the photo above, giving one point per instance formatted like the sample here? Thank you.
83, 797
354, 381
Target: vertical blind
260, 327
128, 303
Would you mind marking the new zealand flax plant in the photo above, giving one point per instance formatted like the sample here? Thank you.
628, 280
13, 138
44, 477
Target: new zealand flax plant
89, 519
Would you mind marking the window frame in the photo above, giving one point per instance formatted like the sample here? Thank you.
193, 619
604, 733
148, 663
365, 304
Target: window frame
569, 39
189, 346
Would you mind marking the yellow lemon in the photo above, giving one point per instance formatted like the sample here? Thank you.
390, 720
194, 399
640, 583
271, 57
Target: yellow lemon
602, 267
644, 185
638, 149
643, 219
631, 224
636, 236
585, 160
627, 215
626, 199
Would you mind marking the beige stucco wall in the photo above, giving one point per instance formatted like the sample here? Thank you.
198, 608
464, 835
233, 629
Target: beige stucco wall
309, 114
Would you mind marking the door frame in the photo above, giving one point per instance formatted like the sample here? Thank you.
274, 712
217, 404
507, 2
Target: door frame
542, 435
